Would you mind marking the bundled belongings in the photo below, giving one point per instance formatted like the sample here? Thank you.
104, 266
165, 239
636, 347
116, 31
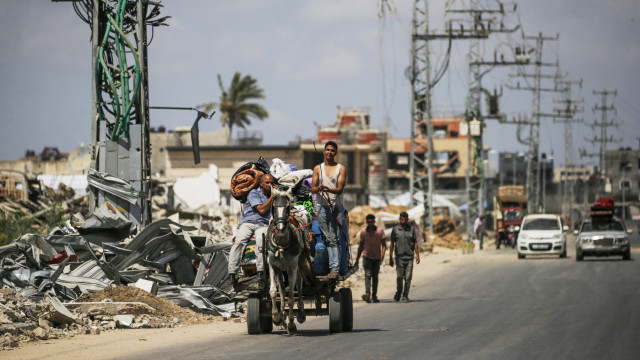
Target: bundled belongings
246, 178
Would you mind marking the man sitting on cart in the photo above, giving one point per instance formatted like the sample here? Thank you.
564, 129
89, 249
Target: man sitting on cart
328, 182
255, 220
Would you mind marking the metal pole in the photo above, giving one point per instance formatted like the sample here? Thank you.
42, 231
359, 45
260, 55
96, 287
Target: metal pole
513, 160
544, 191
623, 200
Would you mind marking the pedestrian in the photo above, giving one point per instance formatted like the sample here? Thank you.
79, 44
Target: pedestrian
328, 181
372, 247
405, 243
478, 229
255, 218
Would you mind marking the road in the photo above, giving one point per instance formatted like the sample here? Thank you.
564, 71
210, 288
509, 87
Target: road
493, 306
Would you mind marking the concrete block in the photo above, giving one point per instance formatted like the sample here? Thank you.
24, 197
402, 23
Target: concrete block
147, 285
123, 320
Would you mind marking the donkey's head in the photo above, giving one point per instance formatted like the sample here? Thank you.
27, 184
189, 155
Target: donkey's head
281, 208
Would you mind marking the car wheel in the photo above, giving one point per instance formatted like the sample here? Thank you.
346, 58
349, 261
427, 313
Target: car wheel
627, 254
579, 255
521, 256
564, 253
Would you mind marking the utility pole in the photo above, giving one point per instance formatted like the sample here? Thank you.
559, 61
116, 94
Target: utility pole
475, 180
421, 136
568, 108
603, 124
120, 150
421, 169
533, 161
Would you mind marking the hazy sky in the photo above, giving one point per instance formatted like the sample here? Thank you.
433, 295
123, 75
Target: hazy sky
309, 57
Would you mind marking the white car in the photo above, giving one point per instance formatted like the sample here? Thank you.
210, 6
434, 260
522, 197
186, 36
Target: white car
542, 234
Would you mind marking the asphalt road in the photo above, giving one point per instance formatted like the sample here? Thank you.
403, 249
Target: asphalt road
494, 307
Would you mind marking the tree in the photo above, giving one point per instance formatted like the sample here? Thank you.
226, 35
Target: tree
234, 102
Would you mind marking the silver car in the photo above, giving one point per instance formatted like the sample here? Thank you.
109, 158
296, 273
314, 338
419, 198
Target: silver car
602, 238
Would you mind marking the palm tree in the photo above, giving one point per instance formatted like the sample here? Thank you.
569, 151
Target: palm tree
234, 102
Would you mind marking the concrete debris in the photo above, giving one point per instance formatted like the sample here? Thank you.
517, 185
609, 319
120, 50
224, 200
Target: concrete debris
48, 282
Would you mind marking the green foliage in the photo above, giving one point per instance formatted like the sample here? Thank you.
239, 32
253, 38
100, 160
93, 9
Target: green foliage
235, 105
13, 226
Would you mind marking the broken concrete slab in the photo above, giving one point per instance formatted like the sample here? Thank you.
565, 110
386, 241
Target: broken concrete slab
59, 314
123, 320
110, 308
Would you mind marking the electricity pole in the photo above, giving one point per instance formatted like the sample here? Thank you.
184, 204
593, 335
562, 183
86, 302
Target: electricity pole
120, 170
533, 161
603, 124
568, 108
421, 169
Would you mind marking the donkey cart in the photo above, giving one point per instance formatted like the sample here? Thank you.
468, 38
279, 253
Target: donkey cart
325, 298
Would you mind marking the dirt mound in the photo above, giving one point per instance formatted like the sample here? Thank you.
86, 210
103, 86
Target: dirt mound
394, 209
357, 217
445, 233
164, 308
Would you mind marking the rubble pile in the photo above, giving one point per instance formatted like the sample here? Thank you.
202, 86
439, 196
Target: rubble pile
85, 256
23, 320
445, 233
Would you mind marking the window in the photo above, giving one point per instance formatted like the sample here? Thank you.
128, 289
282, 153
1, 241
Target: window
541, 224
402, 160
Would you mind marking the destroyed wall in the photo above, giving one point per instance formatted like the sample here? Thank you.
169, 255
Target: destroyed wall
33, 168
227, 158
160, 141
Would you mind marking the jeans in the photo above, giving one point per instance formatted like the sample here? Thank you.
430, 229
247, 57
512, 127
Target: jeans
404, 271
331, 231
245, 231
480, 236
371, 270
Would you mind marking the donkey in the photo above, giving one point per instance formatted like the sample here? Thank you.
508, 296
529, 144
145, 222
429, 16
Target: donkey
286, 245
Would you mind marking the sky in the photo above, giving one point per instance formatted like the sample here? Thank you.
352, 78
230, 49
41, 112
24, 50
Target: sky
310, 57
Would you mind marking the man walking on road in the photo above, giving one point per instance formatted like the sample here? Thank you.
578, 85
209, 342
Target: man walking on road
478, 228
255, 218
405, 243
372, 247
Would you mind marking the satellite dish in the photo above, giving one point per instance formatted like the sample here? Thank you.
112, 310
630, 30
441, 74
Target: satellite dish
80, 159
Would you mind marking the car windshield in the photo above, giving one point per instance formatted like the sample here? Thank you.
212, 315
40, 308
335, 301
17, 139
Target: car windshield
614, 225
512, 214
541, 224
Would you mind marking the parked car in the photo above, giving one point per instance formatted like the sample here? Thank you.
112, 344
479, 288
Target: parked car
603, 238
542, 234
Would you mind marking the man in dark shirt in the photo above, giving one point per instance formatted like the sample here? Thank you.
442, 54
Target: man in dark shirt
405, 243
255, 218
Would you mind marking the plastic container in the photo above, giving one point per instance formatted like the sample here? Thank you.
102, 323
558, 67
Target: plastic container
320, 253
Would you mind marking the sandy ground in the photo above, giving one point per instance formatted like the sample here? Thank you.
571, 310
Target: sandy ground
124, 343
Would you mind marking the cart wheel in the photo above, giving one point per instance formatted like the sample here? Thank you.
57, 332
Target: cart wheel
253, 315
335, 313
266, 322
347, 309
